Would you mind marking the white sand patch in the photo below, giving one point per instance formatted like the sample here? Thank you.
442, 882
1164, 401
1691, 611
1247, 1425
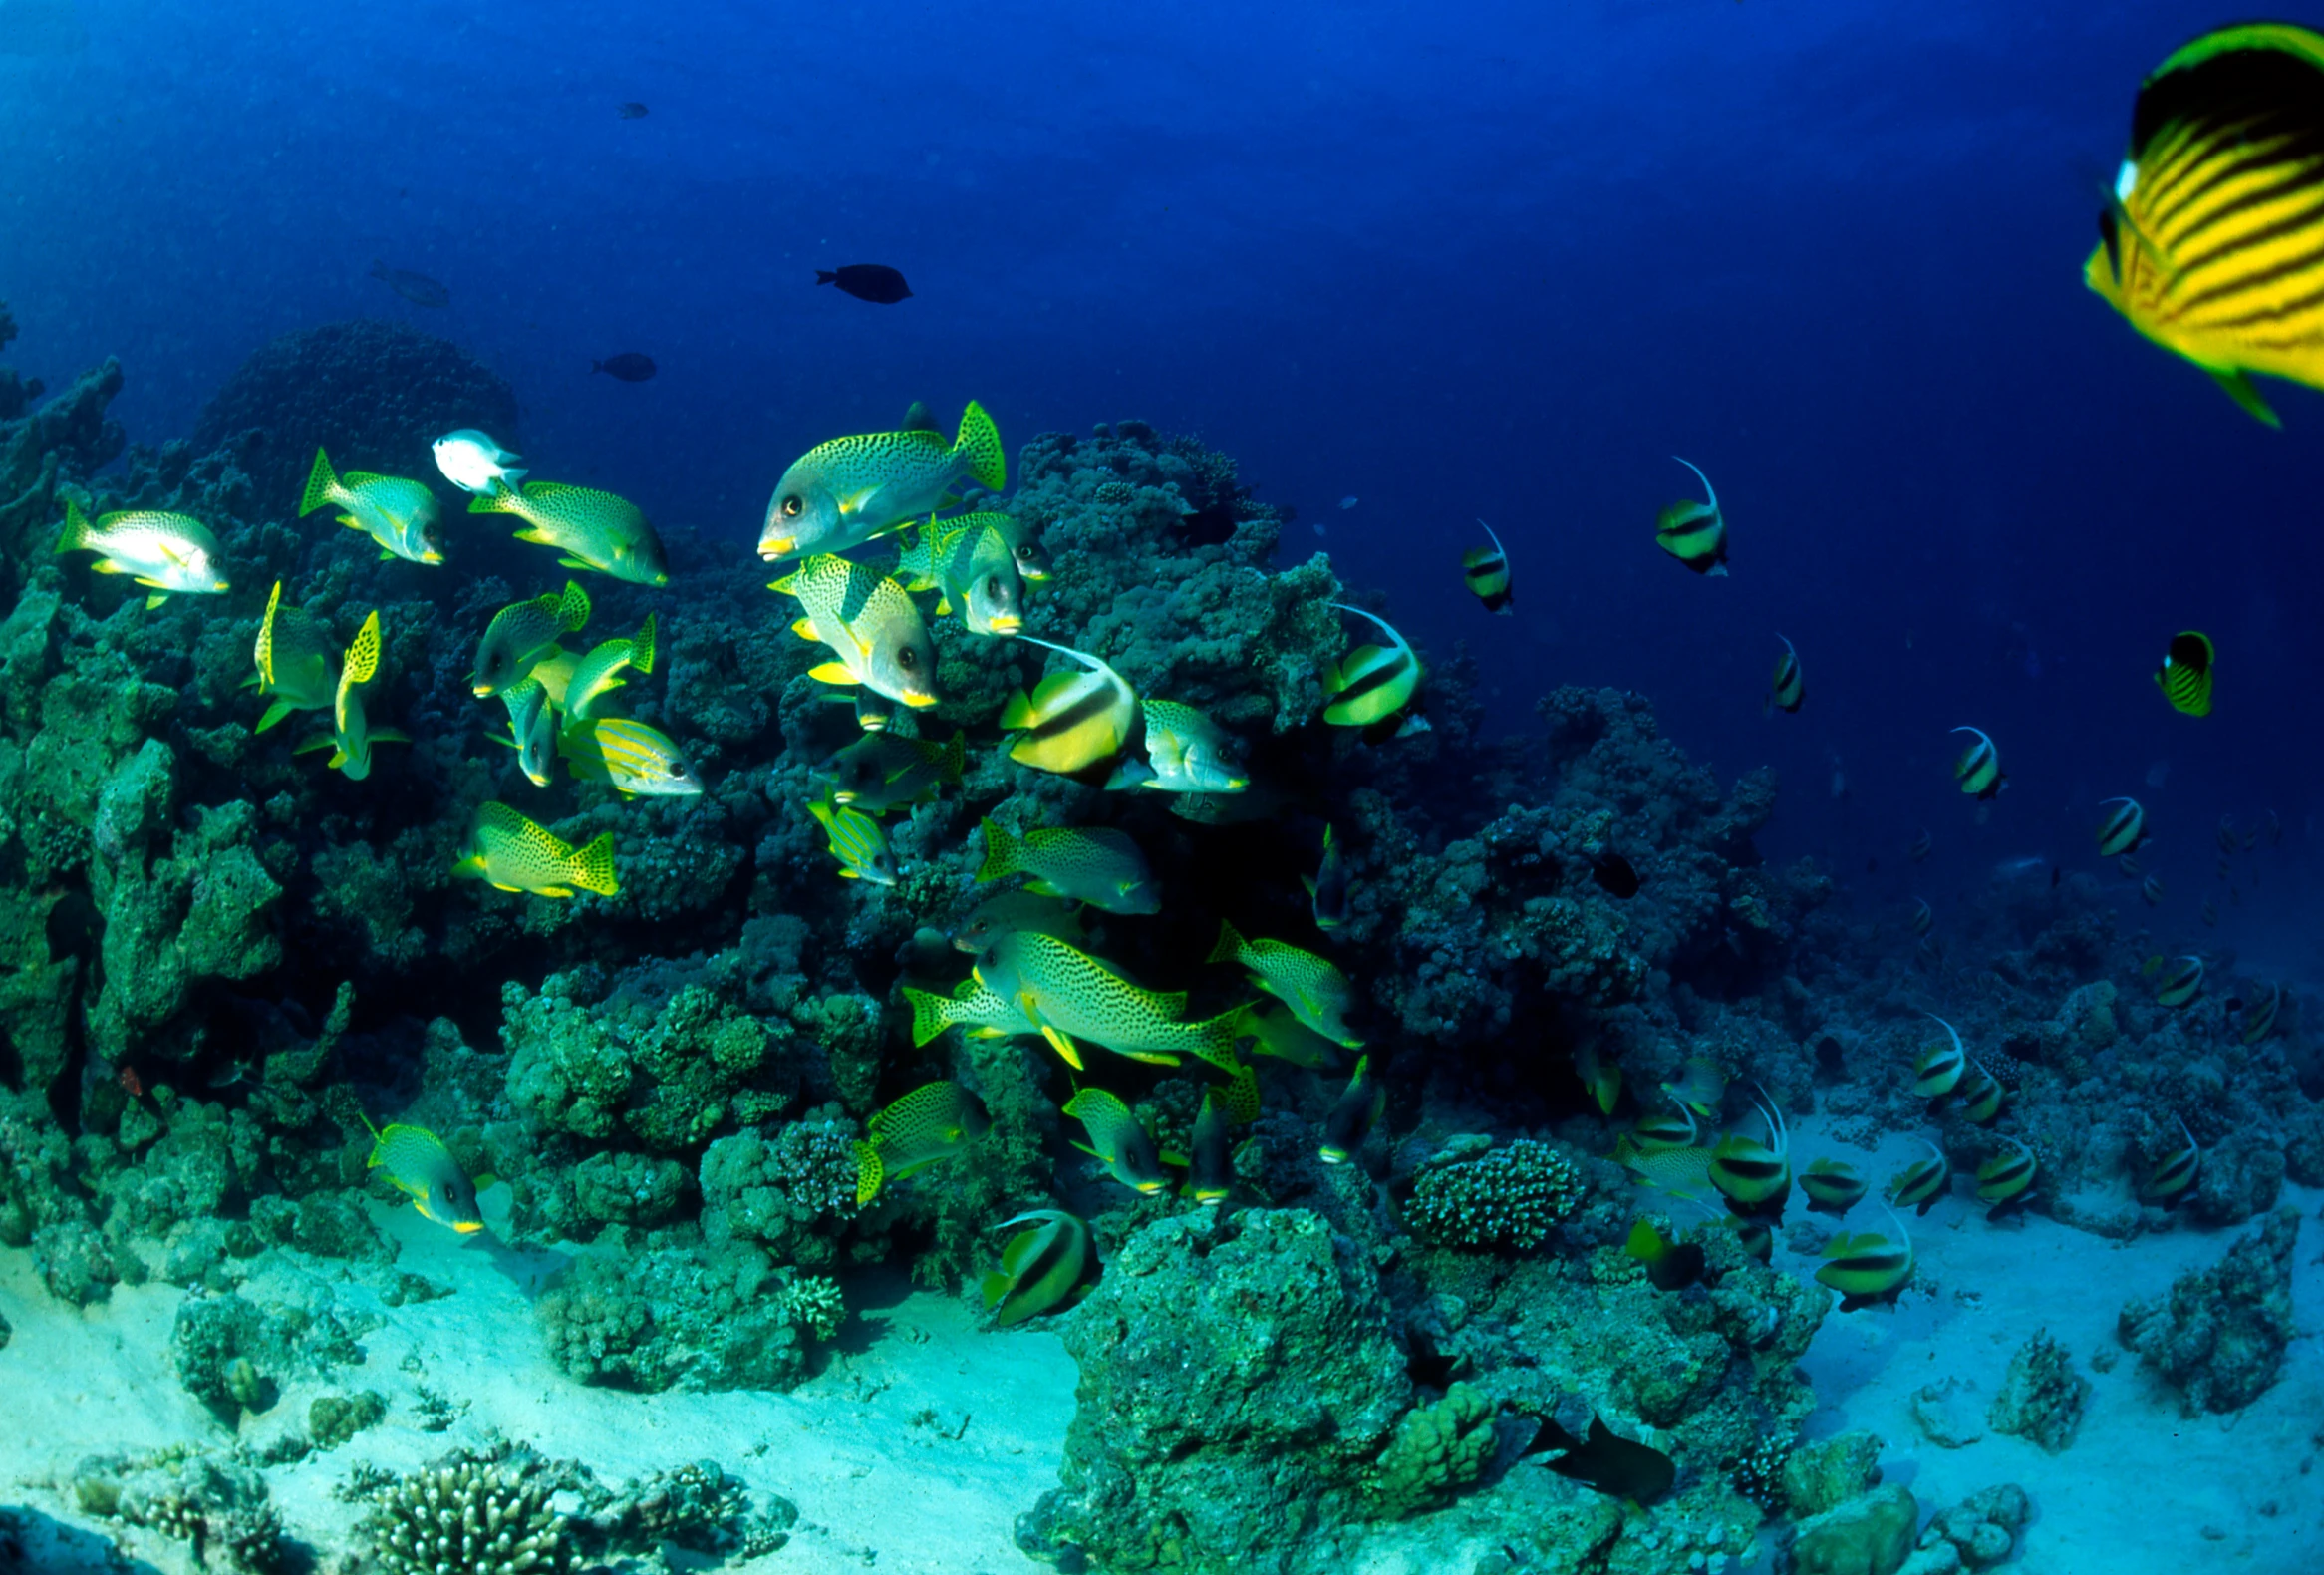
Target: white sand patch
2142, 1487
918, 1445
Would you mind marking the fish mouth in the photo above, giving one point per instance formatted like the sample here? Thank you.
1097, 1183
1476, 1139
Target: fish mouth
483, 691
778, 547
1005, 624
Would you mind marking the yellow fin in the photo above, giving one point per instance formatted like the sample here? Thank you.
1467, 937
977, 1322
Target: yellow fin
833, 673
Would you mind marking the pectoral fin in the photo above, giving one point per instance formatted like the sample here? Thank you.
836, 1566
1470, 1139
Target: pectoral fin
2240, 389
833, 673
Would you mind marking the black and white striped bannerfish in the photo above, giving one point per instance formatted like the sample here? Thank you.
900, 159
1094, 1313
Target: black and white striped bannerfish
1786, 691
2176, 1171
1487, 571
2124, 831
1694, 534
1978, 771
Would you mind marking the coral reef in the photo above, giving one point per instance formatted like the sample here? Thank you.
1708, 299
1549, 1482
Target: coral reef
723, 1316
2218, 1337
211, 1500
221, 965
1166, 1466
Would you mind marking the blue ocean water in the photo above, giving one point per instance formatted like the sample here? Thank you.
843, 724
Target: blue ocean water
1499, 263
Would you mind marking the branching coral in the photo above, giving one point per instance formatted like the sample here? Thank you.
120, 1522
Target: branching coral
469, 1520
1509, 1198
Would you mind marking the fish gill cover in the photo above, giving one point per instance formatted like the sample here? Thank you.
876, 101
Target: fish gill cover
1453, 981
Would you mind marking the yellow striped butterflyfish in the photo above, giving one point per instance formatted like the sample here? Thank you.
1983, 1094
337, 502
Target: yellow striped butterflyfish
2185, 674
2211, 241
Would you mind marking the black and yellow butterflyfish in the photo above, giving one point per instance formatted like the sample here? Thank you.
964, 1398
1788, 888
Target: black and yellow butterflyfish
2185, 674
2211, 240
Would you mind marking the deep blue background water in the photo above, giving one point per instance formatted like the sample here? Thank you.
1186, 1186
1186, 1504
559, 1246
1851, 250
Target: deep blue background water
1495, 260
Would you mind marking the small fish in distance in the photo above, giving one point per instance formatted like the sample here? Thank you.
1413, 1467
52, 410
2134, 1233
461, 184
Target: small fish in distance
867, 281
632, 111
417, 288
628, 367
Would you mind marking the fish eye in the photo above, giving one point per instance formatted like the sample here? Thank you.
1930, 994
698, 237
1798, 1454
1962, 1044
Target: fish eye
907, 657
676, 768
793, 507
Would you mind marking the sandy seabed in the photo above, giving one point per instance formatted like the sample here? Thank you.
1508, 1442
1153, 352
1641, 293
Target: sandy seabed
922, 1438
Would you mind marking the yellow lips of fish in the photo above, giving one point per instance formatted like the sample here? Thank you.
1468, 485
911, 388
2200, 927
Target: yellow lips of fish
397, 513
876, 636
844, 491
420, 1166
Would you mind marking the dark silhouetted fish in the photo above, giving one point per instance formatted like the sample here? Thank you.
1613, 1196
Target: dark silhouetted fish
867, 281
417, 288
629, 366
632, 111
1619, 1467
1614, 872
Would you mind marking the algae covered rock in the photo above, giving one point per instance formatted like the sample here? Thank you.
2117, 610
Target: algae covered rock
1981, 1531
1870, 1536
678, 1318
1437, 1450
282, 1322
1237, 1384
2042, 1399
211, 1500
332, 1420
2218, 1337
668, 1073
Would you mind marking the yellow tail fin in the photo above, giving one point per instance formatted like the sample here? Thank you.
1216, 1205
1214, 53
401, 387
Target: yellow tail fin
593, 867
321, 483
978, 442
